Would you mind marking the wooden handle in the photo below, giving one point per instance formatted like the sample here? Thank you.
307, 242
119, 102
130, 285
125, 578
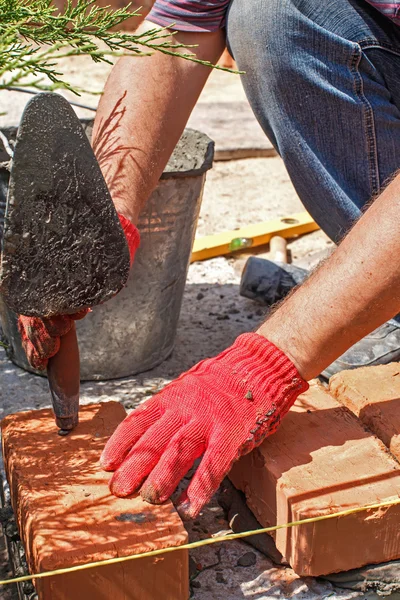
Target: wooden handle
63, 375
278, 249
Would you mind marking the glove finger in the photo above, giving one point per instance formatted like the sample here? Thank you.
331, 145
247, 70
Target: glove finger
144, 456
187, 445
41, 337
213, 468
128, 433
36, 361
41, 332
39, 346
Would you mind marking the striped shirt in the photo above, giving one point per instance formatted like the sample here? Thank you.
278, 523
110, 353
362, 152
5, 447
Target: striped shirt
209, 15
390, 9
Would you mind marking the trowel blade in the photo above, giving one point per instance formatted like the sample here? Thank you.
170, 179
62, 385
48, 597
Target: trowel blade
63, 246
63, 377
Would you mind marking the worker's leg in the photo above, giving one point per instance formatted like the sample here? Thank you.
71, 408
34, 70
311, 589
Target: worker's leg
323, 79
326, 94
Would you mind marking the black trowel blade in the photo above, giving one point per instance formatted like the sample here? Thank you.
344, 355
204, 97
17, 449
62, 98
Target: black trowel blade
63, 245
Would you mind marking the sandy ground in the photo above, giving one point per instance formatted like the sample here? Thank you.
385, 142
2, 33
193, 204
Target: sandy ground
213, 314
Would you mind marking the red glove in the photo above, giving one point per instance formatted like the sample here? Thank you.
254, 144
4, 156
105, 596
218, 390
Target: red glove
41, 337
131, 234
222, 408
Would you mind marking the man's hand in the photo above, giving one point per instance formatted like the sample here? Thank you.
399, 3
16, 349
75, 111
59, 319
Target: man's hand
41, 337
222, 408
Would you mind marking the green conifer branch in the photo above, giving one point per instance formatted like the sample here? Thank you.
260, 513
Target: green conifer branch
34, 37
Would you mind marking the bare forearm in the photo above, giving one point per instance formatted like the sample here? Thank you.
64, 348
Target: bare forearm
141, 116
355, 291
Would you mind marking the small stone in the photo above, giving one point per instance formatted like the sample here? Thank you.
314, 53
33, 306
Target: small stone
250, 316
11, 531
217, 509
220, 578
247, 560
6, 514
223, 318
193, 570
196, 585
249, 395
233, 311
200, 296
28, 588
196, 529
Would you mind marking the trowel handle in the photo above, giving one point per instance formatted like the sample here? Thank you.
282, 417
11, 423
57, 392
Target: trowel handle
63, 376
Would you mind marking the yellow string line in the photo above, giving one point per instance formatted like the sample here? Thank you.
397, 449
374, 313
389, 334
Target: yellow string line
199, 544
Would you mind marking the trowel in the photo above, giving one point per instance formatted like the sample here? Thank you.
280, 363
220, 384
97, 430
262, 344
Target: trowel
63, 247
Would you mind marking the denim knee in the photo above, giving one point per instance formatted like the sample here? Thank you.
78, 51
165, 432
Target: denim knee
319, 99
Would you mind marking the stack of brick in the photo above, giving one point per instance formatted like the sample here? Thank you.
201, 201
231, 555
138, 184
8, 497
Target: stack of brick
335, 450
323, 460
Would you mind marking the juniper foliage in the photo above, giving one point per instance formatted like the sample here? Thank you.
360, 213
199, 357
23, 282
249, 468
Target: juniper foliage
34, 36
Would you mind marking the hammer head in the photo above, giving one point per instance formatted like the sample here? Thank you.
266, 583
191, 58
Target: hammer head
269, 282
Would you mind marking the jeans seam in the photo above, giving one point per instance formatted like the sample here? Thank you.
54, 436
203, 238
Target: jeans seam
372, 42
369, 121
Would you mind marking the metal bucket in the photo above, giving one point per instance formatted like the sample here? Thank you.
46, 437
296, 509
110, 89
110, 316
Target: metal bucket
135, 331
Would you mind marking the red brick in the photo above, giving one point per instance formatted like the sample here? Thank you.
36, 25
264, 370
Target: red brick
67, 516
321, 461
373, 394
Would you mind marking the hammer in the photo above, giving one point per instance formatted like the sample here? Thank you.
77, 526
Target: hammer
63, 247
269, 281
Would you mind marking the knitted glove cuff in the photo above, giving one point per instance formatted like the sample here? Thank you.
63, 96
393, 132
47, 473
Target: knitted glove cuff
131, 234
273, 384
266, 372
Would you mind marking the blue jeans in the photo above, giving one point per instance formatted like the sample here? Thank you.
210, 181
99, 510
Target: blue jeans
323, 79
